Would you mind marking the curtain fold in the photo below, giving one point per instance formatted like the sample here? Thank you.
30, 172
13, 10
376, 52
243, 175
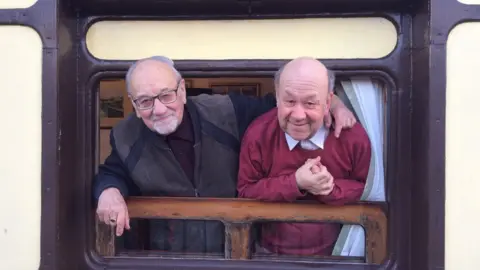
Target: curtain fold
365, 98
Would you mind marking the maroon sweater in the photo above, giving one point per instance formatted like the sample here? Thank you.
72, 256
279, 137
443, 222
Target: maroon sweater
267, 172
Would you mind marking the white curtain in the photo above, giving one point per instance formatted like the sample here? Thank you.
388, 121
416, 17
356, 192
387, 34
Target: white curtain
366, 98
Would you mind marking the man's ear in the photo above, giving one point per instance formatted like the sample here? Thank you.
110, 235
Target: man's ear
182, 91
136, 112
328, 102
134, 106
277, 97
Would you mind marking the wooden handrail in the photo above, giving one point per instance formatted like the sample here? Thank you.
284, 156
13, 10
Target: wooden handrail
239, 214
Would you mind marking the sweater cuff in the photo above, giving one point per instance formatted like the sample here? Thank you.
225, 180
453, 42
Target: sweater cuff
109, 183
295, 191
332, 196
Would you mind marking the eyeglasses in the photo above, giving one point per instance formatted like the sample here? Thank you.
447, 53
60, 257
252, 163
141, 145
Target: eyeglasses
166, 97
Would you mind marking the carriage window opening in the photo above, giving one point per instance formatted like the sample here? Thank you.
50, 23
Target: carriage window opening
167, 237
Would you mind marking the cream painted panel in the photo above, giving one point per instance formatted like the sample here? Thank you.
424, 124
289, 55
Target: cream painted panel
7, 4
243, 39
470, 2
20, 142
462, 204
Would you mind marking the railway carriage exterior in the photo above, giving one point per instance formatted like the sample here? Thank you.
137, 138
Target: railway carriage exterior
405, 68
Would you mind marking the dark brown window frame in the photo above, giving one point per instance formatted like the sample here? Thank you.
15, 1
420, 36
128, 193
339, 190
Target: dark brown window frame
136, 262
394, 67
418, 62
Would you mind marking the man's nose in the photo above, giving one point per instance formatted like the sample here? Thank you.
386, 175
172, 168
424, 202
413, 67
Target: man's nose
158, 107
298, 113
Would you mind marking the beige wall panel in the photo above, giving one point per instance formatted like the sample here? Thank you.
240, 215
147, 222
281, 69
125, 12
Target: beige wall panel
20, 141
243, 39
7, 4
462, 207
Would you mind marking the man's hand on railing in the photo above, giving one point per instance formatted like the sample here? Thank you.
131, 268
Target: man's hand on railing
112, 210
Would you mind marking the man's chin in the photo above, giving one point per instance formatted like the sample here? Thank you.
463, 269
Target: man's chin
299, 135
165, 129
165, 132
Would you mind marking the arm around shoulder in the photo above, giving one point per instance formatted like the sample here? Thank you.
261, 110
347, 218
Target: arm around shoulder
248, 108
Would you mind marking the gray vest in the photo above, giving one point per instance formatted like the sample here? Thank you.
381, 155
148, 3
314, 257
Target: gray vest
156, 172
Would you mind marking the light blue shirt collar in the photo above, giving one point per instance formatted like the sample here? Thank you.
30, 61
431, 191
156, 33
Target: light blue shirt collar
318, 138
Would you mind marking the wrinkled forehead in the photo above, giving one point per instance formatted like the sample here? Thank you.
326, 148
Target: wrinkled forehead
303, 87
150, 81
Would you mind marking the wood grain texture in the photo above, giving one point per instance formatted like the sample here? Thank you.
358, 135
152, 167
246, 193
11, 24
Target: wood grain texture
239, 214
105, 238
238, 241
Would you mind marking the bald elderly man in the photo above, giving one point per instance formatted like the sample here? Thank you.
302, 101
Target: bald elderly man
178, 146
288, 155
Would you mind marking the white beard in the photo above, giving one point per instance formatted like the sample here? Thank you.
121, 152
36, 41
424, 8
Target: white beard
167, 126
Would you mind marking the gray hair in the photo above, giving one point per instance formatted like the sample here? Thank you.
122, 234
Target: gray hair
161, 59
330, 74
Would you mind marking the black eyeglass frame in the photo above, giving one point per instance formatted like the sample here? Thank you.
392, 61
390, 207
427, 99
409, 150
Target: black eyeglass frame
163, 93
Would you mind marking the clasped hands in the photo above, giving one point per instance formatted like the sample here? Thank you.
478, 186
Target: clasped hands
314, 177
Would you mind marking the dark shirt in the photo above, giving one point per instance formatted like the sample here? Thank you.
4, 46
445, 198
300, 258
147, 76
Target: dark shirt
181, 142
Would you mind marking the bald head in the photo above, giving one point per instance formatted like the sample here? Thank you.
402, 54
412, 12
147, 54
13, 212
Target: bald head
306, 66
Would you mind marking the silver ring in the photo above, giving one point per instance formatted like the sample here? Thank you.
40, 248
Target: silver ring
113, 219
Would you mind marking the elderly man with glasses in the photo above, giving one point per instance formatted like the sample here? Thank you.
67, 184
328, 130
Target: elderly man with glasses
176, 146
